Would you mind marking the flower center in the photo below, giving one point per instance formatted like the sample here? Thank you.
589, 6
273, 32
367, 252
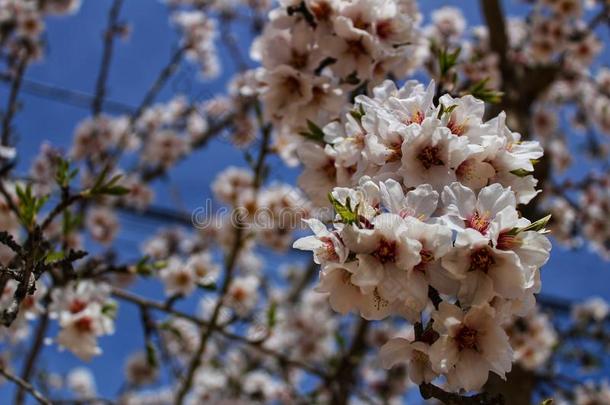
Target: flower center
466, 338
84, 324
329, 249
506, 241
479, 222
482, 260
430, 156
385, 29
183, 279
239, 294
76, 306
386, 251
455, 128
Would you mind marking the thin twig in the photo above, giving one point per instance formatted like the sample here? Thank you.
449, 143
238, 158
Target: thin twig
143, 302
429, 391
25, 386
102, 78
32, 357
231, 262
11, 108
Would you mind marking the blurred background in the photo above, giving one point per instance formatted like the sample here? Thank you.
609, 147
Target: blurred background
56, 96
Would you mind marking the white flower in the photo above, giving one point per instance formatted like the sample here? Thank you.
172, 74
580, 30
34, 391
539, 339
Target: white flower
595, 308
470, 345
326, 246
139, 371
466, 211
178, 278
81, 381
413, 353
243, 294
79, 331
430, 154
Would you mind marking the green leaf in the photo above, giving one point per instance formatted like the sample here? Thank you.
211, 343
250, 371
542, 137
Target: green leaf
54, 257
445, 110
63, 174
548, 401
151, 355
209, 286
345, 212
521, 172
487, 94
103, 186
29, 205
340, 340
447, 60
538, 226
272, 314
110, 309
357, 113
313, 132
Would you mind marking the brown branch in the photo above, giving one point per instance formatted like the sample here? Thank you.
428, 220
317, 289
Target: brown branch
214, 130
429, 391
256, 345
25, 386
102, 78
30, 361
345, 376
159, 83
11, 107
231, 262
59, 208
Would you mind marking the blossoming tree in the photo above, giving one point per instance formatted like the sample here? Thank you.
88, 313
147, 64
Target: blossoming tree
434, 161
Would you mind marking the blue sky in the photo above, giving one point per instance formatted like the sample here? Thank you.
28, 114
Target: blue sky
72, 61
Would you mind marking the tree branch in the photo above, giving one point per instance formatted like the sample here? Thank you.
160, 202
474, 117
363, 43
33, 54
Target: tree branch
25, 386
100, 88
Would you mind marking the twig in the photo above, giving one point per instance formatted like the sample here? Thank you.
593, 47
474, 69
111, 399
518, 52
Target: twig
25, 386
231, 261
59, 208
344, 376
109, 34
143, 302
12, 99
163, 77
30, 362
432, 391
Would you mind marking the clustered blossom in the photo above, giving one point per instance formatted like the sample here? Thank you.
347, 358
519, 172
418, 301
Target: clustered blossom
401, 134
314, 53
428, 215
271, 213
22, 23
199, 33
533, 339
559, 39
84, 311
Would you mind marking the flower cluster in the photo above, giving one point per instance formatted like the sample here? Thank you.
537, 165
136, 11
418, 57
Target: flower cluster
314, 53
22, 23
401, 134
432, 219
84, 311
271, 214
199, 33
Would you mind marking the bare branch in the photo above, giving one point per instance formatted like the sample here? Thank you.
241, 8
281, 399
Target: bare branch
109, 34
11, 107
25, 386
